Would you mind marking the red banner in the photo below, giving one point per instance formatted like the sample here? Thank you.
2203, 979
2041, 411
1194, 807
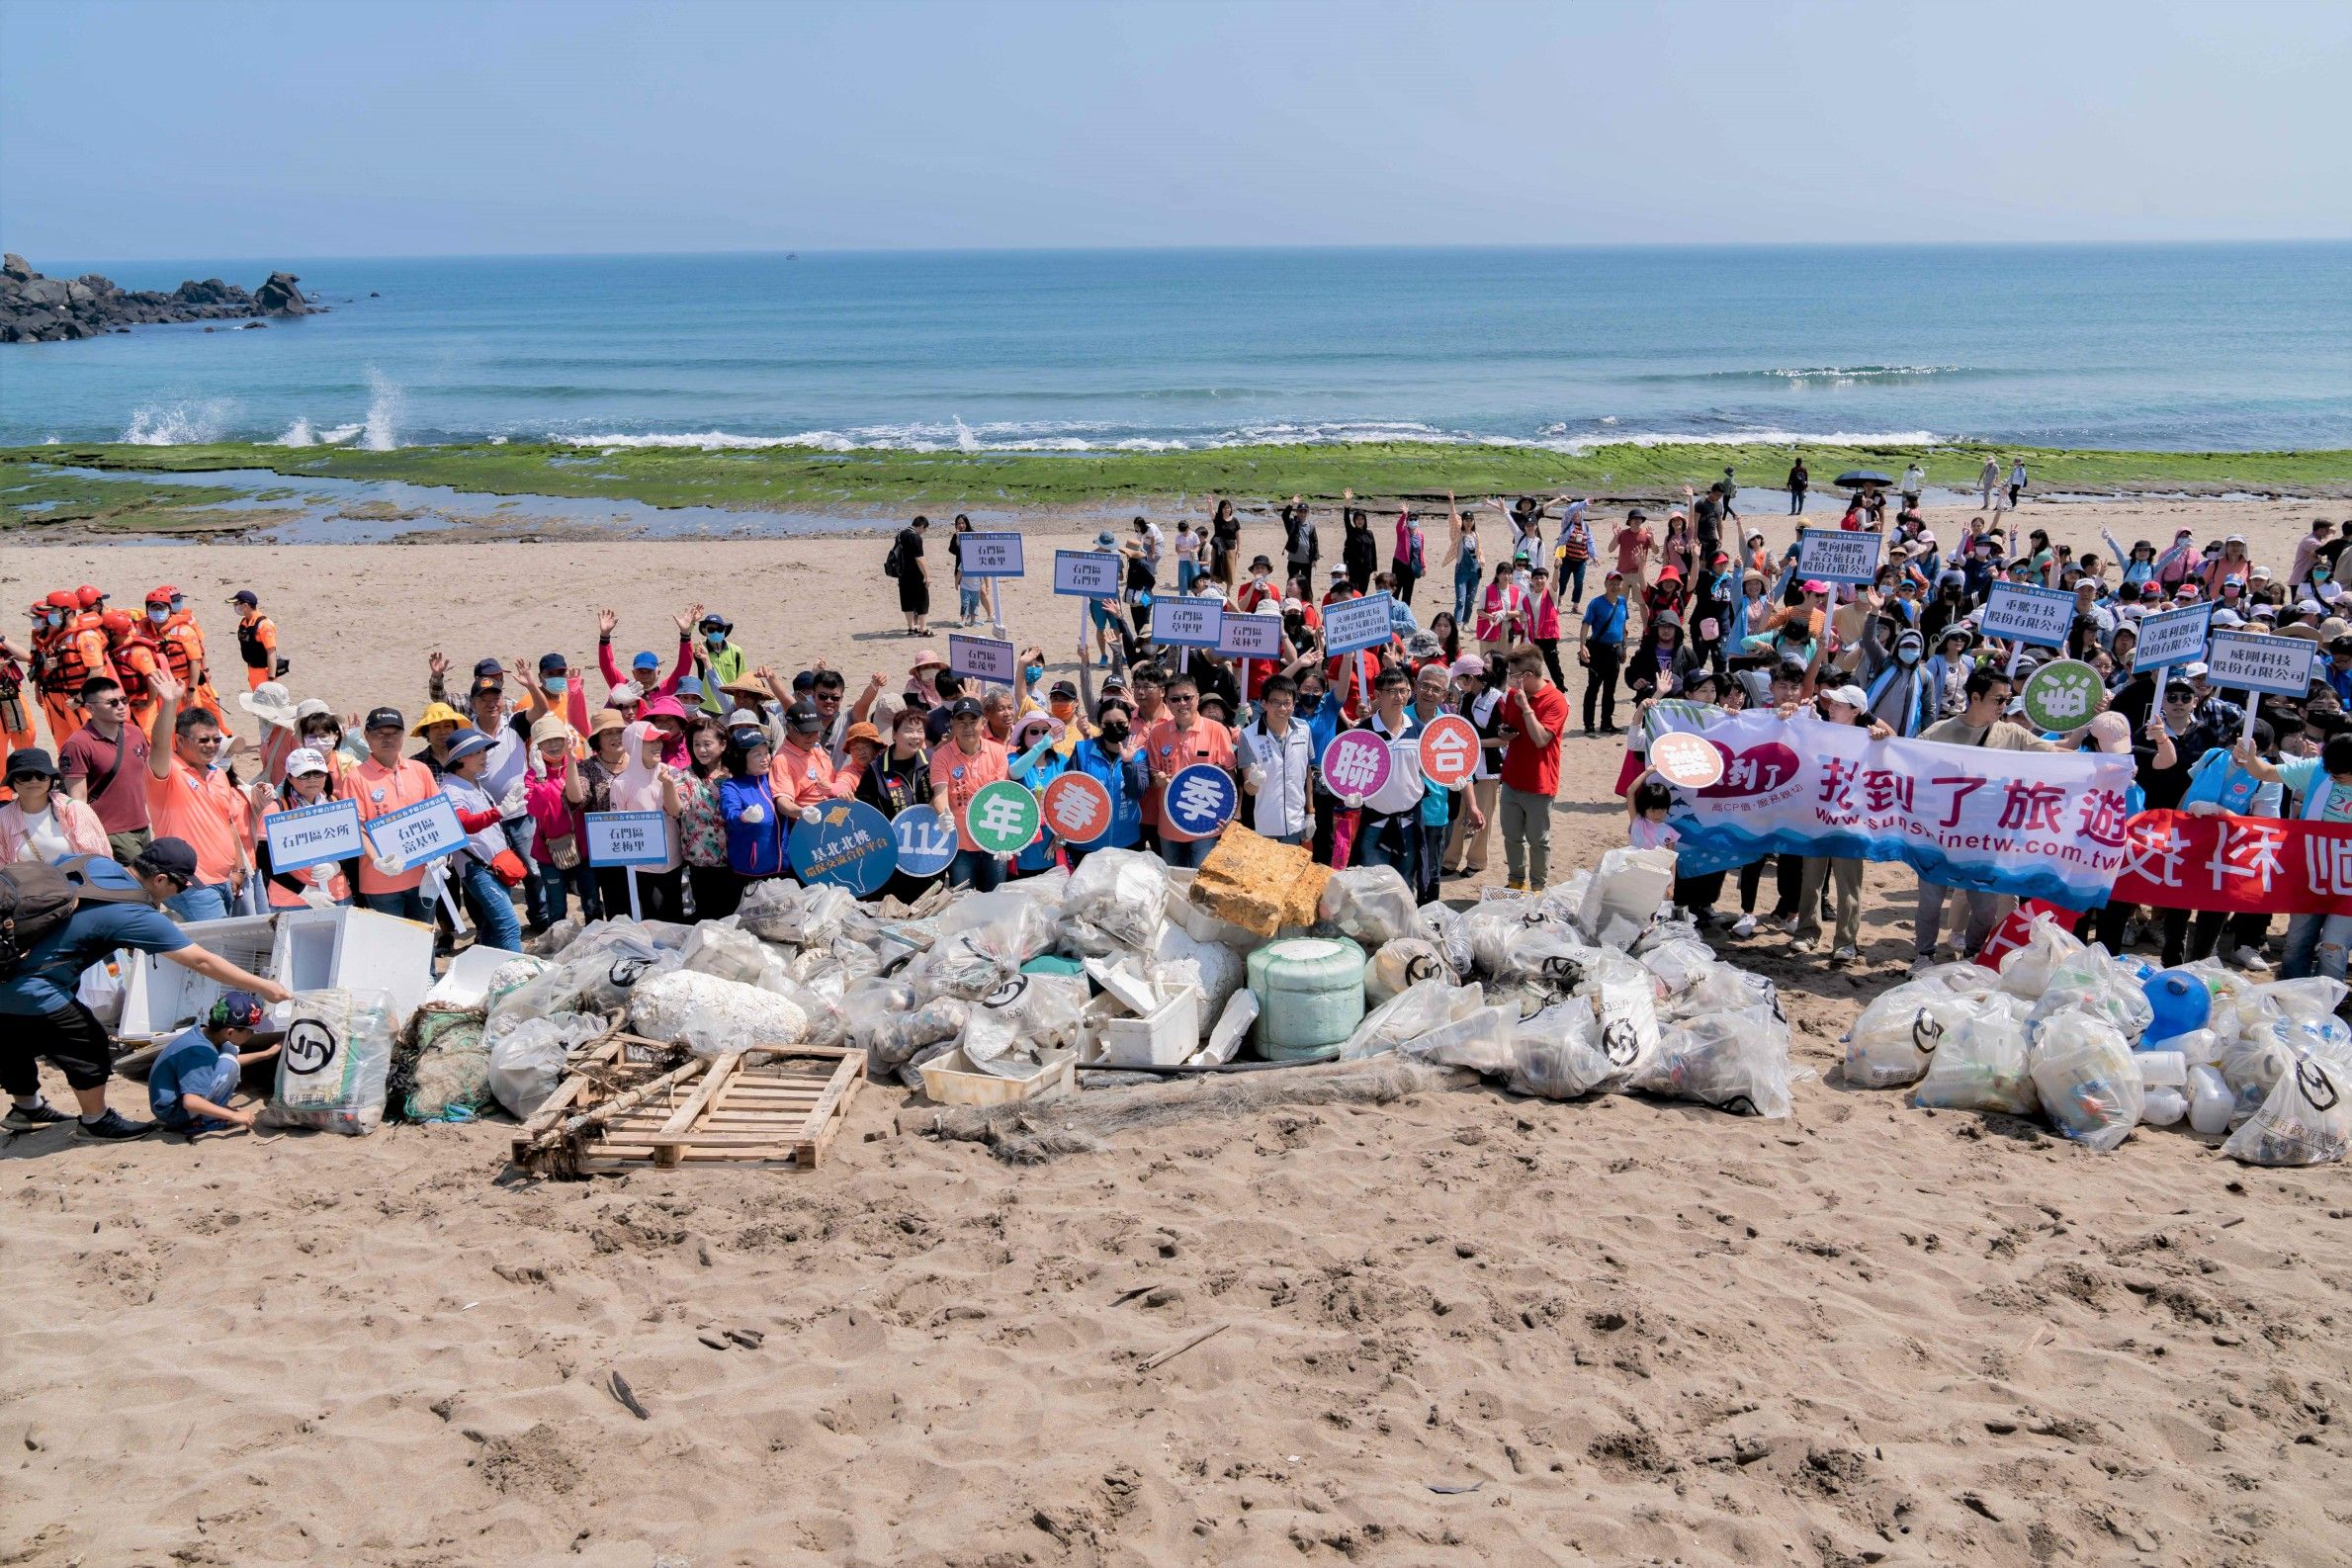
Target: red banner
2247, 865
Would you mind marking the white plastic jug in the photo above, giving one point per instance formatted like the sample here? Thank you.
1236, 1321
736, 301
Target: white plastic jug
2210, 1100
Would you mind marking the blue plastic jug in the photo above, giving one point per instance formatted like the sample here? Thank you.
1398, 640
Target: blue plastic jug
2181, 1002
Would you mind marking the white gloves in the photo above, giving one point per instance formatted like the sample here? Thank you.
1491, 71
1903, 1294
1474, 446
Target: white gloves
755, 814
1255, 777
811, 814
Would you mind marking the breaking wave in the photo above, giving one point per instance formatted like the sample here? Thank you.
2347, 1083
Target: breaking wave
1034, 436
177, 424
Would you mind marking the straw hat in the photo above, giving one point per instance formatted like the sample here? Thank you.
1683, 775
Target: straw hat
438, 713
272, 703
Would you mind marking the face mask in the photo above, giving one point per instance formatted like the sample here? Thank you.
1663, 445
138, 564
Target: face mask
2321, 576
158, 616
57, 618
1062, 709
1115, 730
1908, 655
1032, 671
557, 684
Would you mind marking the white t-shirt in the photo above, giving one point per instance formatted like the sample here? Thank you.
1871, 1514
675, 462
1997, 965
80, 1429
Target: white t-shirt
1188, 546
45, 838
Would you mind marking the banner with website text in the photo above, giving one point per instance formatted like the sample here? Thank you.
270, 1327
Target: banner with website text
2039, 824
2247, 865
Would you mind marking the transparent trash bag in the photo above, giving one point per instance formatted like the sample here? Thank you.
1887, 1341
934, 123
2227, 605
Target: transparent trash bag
2097, 984
451, 1078
332, 1066
1402, 963
710, 1017
727, 950
2088, 1085
2305, 1119
1116, 898
1015, 1027
1371, 903
1895, 1037
2025, 971
1679, 964
527, 1061
1414, 1012
1737, 1062
1982, 1065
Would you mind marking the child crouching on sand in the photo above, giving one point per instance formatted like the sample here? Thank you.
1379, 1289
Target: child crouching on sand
192, 1082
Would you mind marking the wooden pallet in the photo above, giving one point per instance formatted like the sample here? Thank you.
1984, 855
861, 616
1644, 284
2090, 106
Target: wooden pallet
773, 1107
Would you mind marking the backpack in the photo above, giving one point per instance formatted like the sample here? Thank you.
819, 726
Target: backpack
890, 562
35, 902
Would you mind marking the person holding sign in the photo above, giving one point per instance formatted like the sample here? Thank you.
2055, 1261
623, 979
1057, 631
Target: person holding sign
485, 865
959, 768
1176, 743
755, 832
309, 781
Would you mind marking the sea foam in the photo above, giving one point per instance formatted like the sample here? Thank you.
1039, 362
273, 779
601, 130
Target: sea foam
177, 424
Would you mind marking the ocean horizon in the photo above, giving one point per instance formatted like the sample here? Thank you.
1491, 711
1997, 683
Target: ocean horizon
2190, 346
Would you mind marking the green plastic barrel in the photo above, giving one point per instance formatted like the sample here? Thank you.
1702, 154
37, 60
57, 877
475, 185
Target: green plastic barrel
1310, 996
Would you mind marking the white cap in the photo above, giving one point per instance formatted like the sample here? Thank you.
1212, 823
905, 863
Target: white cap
1850, 696
2228, 618
2193, 670
306, 759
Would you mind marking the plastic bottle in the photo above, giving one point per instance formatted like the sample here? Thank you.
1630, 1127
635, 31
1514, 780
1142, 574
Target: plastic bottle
2210, 1100
2181, 1002
2163, 1105
2168, 1069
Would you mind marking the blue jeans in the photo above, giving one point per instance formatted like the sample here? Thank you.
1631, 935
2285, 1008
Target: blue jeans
1187, 571
2315, 945
1190, 853
550, 898
494, 925
976, 869
968, 597
1572, 578
1465, 590
408, 906
201, 901
1392, 841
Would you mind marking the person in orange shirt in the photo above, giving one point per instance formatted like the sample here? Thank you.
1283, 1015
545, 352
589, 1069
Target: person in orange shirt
137, 660
55, 671
191, 799
383, 784
802, 772
16, 709
960, 766
257, 639
173, 626
1175, 744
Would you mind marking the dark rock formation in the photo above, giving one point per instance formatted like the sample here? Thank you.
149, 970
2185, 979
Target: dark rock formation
39, 310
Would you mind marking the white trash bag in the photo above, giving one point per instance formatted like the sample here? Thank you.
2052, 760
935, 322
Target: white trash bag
1898, 1034
2087, 1081
1412, 1012
2305, 1121
2097, 986
1371, 903
331, 1068
1402, 963
1737, 1062
527, 1059
2025, 971
1982, 1065
711, 1016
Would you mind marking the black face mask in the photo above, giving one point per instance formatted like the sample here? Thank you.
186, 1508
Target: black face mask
1115, 732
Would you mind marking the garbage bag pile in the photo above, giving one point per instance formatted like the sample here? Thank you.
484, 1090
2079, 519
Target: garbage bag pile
2100, 1045
1129, 964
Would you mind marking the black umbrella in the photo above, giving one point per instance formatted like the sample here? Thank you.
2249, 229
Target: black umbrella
1856, 479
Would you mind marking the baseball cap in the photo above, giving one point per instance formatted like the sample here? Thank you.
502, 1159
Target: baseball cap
861, 730
384, 718
964, 708
2193, 669
645, 659
1063, 689
171, 856
486, 668
2150, 590
745, 737
2228, 618
803, 715
245, 596
551, 665
304, 759
1850, 696
235, 1009
1470, 664
1815, 586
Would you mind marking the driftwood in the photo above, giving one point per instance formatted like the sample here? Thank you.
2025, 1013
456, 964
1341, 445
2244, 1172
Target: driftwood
1037, 1131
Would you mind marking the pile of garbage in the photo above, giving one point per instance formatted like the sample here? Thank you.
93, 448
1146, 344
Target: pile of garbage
1126, 970
2098, 1045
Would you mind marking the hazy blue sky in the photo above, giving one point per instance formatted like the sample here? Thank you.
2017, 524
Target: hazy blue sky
194, 129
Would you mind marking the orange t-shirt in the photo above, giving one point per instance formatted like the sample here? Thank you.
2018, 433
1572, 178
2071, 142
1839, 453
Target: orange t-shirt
381, 791
961, 774
209, 812
1170, 751
805, 776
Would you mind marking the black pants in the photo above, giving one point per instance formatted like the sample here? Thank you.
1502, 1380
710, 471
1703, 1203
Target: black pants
716, 891
2182, 946
659, 894
1789, 883
1796, 501
1600, 683
71, 1038
1406, 576
1549, 647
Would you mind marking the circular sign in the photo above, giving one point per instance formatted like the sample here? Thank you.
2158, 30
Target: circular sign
849, 845
926, 842
1201, 800
1077, 809
309, 1047
1449, 751
2064, 695
1685, 760
1355, 764
1001, 818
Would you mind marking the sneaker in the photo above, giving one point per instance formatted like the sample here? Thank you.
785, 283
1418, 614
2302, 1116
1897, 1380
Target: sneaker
113, 1127
1845, 954
1791, 922
1590, 731
1806, 944
1610, 729
1923, 963
1745, 926
26, 1118
2247, 959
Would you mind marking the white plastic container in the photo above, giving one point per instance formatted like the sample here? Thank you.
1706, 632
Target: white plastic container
161, 998
1163, 1037
2161, 1106
2210, 1100
2167, 1068
352, 949
1310, 996
951, 1079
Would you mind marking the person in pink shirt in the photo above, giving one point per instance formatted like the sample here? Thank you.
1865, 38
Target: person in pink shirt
1502, 612
1636, 547
644, 670
1544, 622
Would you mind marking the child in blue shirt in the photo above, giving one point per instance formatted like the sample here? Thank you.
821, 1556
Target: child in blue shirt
191, 1084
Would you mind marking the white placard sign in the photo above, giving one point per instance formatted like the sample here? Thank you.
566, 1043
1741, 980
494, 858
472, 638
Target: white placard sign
2172, 637
991, 555
1351, 623
1835, 554
414, 835
2022, 613
626, 838
981, 658
1087, 573
311, 836
1179, 622
2281, 664
1250, 637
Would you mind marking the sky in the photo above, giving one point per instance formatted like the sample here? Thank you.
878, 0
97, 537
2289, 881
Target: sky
133, 131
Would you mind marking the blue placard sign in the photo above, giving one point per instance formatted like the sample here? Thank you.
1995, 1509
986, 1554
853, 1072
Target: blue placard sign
413, 835
1180, 622
1351, 624
628, 838
849, 845
311, 836
926, 841
1201, 800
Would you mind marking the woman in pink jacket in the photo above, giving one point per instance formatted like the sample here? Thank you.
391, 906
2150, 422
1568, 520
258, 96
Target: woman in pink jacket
43, 823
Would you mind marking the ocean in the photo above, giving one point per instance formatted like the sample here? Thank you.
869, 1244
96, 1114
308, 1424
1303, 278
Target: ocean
2179, 347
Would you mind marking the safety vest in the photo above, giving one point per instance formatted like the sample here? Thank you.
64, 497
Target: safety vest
138, 689
249, 642
72, 660
183, 649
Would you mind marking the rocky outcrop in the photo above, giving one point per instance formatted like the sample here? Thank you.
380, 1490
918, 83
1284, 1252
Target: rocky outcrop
39, 310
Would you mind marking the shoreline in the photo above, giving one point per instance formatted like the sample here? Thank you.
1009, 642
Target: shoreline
73, 492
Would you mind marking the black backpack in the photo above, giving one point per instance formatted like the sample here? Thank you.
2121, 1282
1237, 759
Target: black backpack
890, 562
35, 902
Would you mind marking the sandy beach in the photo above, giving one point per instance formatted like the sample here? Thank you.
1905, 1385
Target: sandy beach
1463, 1328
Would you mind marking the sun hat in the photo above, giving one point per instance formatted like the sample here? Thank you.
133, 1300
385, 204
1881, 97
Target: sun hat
1469, 664
549, 728
31, 762
1106, 540
438, 713
271, 703
310, 708
1815, 586
465, 744
306, 759
862, 731
927, 659
606, 720
662, 707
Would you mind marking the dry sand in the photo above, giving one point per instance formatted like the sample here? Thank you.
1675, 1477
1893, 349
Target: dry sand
1467, 1328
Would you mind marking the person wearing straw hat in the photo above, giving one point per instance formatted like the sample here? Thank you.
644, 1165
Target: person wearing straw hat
439, 723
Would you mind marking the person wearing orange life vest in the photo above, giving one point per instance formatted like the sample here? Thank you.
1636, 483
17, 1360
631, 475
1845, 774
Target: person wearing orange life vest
17, 707
173, 626
257, 639
82, 654
60, 695
137, 658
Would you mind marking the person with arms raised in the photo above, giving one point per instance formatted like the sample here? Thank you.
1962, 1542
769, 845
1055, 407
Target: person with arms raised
192, 797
